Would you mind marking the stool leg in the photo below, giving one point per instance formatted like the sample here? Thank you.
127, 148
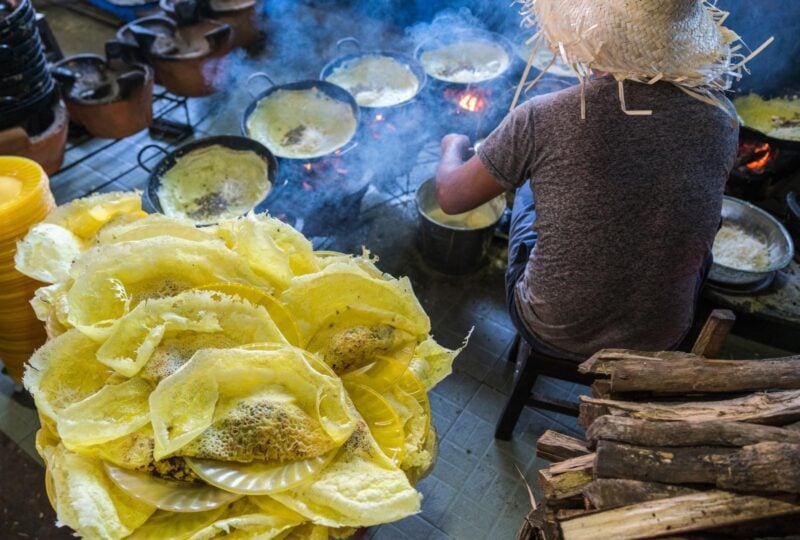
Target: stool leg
519, 397
513, 351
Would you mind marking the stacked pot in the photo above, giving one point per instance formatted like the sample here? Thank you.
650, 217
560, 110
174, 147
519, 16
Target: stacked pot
33, 120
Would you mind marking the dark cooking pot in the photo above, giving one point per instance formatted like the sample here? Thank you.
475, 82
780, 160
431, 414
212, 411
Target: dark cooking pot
24, 82
15, 58
415, 66
331, 90
14, 111
170, 158
21, 9
468, 35
23, 28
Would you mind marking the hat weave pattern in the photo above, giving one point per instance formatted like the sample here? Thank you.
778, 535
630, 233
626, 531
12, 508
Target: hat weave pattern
679, 41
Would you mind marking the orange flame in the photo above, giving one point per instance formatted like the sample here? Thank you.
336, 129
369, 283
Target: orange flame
379, 117
471, 102
760, 163
307, 166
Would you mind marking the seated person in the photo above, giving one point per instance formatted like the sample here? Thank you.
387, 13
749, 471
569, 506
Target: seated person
611, 237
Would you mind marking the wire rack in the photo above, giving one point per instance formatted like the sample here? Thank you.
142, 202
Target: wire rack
162, 128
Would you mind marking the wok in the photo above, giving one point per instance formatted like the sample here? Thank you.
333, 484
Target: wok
414, 65
331, 90
775, 142
170, 158
469, 35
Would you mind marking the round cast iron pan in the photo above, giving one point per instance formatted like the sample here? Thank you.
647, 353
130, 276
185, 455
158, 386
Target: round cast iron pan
331, 90
233, 142
783, 144
414, 65
468, 35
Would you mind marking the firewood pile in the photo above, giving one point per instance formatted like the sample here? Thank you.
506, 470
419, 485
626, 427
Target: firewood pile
677, 446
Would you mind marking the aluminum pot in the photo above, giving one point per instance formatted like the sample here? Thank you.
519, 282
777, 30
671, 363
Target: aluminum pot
755, 221
331, 90
448, 249
170, 158
413, 65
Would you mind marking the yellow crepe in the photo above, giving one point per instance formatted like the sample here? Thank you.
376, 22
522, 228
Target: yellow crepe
301, 124
213, 183
282, 407
376, 80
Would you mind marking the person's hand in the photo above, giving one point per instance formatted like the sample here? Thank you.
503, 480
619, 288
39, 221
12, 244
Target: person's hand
455, 144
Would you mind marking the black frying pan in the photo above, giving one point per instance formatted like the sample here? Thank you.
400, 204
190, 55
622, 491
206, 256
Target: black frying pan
170, 158
781, 144
331, 90
468, 35
413, 65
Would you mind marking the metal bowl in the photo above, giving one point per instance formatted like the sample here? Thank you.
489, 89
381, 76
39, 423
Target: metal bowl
759, 223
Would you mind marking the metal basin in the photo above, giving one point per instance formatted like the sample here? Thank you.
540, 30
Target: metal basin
760, 224
451, 249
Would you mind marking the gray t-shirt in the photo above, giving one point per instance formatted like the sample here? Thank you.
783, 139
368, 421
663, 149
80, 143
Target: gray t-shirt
627, 208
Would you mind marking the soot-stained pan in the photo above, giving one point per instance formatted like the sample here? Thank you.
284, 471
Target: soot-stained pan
415, 67
331, 90
465, 35
170, 158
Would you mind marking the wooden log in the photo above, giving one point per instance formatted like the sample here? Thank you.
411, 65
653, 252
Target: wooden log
763, 467
714, 332
607, 493
693, 375
566, 479
588, 413
602, 362
775, 408
676, 516
713, 433
601, 388
554, 446
539, 525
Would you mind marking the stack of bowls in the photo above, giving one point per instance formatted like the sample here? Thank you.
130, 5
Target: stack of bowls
27, 90
25, 200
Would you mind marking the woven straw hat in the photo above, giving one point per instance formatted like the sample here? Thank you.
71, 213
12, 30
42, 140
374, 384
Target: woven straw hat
679, 41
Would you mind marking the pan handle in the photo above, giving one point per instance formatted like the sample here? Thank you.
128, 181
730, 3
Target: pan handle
259, 75
140, 155
345, 149
351, 40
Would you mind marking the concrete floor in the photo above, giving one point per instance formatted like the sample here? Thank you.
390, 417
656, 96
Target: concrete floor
474, 491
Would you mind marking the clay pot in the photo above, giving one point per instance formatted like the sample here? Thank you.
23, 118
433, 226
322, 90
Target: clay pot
128, 110
46, 148
241, 15
194, 68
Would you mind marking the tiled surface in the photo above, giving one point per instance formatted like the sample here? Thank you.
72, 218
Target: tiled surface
475, 491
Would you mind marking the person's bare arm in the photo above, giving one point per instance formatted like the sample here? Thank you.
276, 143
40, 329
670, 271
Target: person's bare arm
462, 185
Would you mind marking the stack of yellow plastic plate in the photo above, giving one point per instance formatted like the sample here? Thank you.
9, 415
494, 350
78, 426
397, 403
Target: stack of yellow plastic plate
25, 200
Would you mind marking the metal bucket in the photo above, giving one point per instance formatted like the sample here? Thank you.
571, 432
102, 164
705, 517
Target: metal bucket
452, 249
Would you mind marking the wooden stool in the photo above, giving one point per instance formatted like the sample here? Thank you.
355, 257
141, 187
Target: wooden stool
531, 364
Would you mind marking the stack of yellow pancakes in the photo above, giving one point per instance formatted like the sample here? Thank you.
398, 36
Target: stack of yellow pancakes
25, 200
